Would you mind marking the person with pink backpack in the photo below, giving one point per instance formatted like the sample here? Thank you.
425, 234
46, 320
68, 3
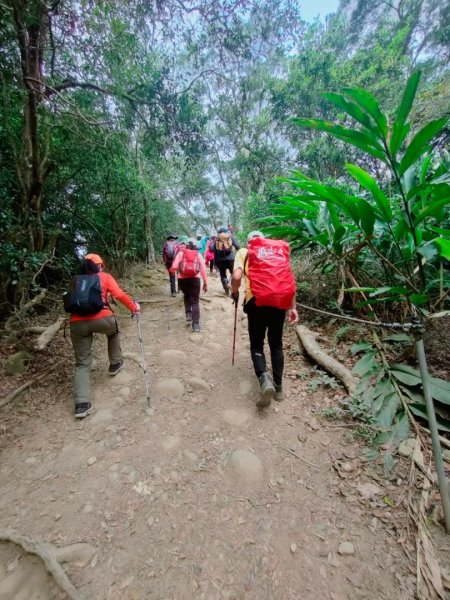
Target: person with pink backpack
190, 266
209, 254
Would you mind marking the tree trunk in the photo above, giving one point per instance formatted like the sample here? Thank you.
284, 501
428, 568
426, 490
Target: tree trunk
31, 27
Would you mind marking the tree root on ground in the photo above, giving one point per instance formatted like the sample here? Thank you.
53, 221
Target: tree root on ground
48, 554
323, 359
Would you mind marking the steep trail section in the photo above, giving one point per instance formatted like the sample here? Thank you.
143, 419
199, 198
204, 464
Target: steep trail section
201, 495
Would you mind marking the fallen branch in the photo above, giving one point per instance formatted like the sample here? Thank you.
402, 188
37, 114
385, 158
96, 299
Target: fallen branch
323, 359
292, 452
15, 393
47, 554
28, 384
32, 303
46, 336
36, 329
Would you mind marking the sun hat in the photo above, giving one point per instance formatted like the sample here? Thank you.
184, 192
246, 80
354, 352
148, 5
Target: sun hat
254, 234
95, 258
183, 239
172, 236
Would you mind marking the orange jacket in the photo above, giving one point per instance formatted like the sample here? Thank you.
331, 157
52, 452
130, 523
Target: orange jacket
109, 286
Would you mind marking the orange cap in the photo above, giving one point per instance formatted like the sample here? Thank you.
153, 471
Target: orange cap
96, 259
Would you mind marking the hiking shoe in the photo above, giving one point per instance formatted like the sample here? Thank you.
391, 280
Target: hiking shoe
173, 294
196, 327
227, 290
188, 317
114, 369
279, 396
267, 390
82, 410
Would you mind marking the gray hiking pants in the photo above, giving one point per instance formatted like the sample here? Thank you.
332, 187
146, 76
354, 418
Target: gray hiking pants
82, 334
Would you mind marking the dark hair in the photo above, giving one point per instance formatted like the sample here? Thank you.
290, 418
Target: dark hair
89, 266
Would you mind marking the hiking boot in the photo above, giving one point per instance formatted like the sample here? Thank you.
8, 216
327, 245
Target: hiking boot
267, 390
188, 317
173, 294
279, 396
82, 410
114, 369
196, 327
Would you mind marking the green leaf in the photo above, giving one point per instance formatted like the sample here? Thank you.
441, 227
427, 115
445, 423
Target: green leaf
361, 140
419, 143
367, 217
370, 104
365, 364
440, 389
351, 109
388, 289
444, 247
359, 347
400, 129
432, 210
420, 411
440, 231
368, 182
387, 411
388, 500
419, 299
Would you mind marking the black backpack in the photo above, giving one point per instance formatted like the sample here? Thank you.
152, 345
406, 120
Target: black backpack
85, 295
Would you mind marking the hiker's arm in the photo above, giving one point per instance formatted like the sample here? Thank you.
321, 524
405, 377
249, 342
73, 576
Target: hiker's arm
176, 263
236, 280
292, 312
236, 243
203, 273
113, 288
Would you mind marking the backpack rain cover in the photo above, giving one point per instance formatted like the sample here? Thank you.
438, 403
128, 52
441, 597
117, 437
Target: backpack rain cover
271, 280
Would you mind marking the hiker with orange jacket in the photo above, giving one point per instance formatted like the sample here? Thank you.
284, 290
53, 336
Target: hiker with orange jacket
87, 301
190, 266
269, 295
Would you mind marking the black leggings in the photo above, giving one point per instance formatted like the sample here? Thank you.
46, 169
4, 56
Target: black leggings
191, 291
260, 320
224, 266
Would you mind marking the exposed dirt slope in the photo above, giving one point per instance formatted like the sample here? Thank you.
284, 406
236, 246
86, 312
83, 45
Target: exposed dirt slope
172, 510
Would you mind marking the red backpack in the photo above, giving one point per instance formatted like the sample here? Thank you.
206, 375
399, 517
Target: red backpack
269, 271
190, 264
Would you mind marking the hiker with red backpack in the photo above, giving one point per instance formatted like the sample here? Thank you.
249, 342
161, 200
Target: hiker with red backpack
87, 301
190, 266
269, 294
170, 250
223, 249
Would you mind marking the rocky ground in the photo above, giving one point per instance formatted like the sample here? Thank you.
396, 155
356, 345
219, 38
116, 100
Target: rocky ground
199, 495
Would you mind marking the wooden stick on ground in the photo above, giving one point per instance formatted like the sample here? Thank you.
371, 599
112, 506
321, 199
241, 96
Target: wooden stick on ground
323, 359
28, 384
49, 333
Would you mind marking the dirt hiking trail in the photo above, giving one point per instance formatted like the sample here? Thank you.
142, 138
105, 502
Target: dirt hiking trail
201, 495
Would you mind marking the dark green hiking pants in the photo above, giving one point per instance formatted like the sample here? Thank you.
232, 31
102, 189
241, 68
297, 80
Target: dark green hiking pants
82, 335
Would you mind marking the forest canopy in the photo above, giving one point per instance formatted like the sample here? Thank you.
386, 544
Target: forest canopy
122, 121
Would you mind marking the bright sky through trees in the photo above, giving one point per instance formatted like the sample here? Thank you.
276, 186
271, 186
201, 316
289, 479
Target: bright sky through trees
309, 9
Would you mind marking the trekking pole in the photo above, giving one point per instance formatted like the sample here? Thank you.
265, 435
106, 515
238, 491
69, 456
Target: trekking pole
234, 331
168, 310
144, 367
